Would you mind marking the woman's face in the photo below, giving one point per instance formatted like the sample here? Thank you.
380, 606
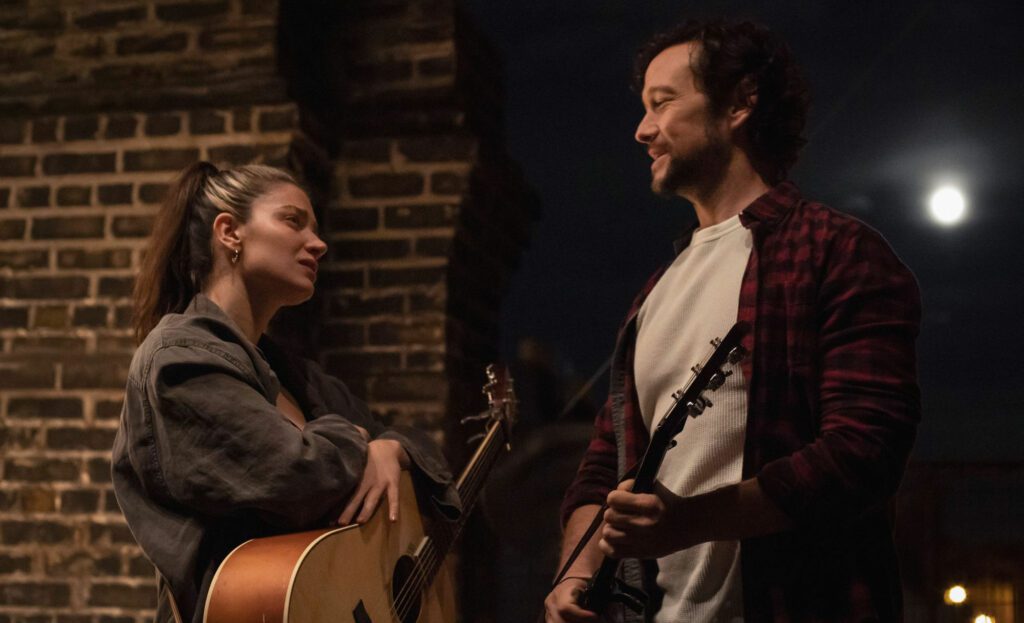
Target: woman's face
280, 246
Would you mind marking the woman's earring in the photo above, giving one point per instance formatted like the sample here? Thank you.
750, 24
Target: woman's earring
235, 256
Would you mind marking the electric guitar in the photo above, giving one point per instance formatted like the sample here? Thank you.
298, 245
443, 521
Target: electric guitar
604, 587
375, 572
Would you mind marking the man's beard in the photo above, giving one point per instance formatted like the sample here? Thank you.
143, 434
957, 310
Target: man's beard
700, 169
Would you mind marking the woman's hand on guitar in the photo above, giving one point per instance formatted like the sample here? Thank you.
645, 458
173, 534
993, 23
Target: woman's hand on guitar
560, 605
643, 525
385, 460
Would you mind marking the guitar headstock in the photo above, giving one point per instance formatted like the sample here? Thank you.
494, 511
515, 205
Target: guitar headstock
501, 395
710, 374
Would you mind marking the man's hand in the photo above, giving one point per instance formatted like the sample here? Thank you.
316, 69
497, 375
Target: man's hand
645, 525
560, 605
385, 460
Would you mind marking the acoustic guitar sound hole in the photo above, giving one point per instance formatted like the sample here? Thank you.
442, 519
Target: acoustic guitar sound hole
406, 601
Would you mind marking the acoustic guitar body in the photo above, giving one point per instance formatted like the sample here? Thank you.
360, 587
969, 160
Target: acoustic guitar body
350, 574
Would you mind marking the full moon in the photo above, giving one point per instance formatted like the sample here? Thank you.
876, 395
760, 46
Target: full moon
947, 205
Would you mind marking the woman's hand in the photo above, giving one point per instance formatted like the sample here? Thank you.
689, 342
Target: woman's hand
385, 459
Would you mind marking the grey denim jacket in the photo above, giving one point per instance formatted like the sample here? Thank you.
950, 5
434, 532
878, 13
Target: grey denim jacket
204, 461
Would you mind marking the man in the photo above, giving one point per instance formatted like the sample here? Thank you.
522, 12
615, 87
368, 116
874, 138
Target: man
774, 504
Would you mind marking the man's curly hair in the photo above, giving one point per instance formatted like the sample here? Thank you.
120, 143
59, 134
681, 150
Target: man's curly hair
734, 61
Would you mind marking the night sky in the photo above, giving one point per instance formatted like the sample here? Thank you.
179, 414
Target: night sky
907, 96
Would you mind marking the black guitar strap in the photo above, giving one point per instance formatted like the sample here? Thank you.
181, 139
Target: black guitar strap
591, 529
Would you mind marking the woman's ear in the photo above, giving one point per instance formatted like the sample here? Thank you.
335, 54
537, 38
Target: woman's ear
226, 231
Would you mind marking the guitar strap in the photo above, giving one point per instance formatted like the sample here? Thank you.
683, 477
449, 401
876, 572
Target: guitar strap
591, 529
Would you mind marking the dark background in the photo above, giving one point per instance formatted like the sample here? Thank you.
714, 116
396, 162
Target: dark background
906, 96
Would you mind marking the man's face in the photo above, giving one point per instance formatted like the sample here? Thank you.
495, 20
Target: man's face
689, 147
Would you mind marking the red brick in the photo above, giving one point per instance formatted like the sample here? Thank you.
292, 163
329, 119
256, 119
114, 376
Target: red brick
90, 316
108, 409
13, 317
81, 128
118, 287
47, 344
12, 229
121, 126
447, 183
21, 260
122, 596
232, 38
131, 226
206, 122
94, 258
74, 195
44, 287
17, 166
33, 196
159, 159
277, 120
62, 227
438, 148
174, 42
354, 219
80, 438
12, 131
370, 249
187, 11
42, 407
80, 501
115, 194
91, 372
44, 130
107, 18
51, 317
53, 594
420, 216
387, 277
386, 185
41, 470
70, 164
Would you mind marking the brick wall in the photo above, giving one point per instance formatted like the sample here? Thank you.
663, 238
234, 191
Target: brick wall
386, 108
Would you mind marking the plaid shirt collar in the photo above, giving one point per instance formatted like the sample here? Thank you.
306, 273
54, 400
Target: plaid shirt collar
767, 210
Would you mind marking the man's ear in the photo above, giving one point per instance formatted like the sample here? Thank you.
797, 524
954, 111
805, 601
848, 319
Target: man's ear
226, 231
744, 102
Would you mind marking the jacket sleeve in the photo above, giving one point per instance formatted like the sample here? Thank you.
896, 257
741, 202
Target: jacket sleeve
867, 392
213, 443
597, 474
430, 469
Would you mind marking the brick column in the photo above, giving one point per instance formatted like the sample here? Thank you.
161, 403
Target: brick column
100, 105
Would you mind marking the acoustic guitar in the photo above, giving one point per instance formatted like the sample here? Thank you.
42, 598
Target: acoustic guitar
375, 572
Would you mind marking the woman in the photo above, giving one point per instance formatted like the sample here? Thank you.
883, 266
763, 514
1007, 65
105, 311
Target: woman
224, 437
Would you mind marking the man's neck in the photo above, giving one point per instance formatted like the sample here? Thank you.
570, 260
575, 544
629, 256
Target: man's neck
723, 199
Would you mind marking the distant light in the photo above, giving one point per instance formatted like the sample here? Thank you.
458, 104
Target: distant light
947, 205
984, 618
955, 594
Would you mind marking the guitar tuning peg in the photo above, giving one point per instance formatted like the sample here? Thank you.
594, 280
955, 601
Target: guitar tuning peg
475, 418
737, 353
676, 395
696, 368
716, 342
718, 379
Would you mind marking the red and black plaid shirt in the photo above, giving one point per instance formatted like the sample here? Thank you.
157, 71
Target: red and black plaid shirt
833, 407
